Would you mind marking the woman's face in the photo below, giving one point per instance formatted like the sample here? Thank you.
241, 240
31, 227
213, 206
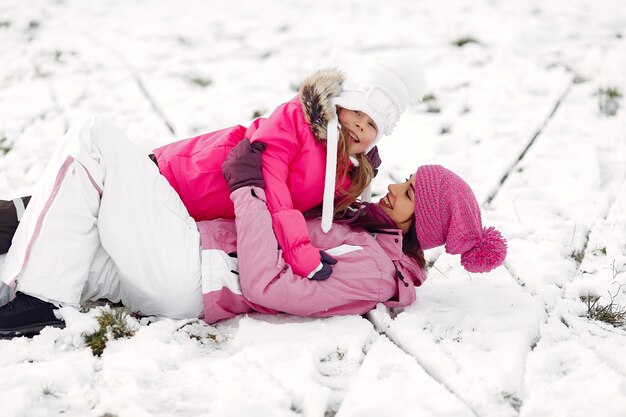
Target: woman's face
359, 129
399, 203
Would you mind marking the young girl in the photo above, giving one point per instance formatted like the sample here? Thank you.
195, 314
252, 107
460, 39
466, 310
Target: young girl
380, 253
306, 153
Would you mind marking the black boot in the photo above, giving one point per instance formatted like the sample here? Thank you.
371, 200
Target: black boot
26, 316
10, 216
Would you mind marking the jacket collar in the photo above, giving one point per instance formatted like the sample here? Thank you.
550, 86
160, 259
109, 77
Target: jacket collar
316, 95
408, 273
391, 242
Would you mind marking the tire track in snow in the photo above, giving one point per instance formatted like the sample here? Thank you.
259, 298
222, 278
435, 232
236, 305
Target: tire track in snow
382, 329
532, 141
554, 310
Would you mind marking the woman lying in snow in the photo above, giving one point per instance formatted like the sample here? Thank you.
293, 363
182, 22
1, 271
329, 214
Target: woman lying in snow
91, 232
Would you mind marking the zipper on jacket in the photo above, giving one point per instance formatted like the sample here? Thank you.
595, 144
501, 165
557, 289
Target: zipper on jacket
401, 277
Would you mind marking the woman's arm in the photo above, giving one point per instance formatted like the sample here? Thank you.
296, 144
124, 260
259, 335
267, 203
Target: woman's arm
268, 281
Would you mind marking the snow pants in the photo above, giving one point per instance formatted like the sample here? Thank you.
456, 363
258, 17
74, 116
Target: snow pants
104, 223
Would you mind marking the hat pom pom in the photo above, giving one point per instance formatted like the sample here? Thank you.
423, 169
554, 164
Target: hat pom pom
487, 254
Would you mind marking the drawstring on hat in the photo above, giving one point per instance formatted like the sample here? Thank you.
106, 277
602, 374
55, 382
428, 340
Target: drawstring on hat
332, 141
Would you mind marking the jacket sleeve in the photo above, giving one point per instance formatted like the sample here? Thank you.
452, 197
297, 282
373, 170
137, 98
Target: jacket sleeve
280, 134
267, 281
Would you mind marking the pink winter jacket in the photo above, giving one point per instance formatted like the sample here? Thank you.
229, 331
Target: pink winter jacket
371, 269
293, 166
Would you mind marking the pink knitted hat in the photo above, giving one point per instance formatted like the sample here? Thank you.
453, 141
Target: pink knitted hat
446, 212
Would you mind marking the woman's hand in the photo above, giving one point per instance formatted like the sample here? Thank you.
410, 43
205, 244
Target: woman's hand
243, 165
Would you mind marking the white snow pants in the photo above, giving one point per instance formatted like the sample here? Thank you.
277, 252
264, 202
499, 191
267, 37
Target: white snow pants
104, 223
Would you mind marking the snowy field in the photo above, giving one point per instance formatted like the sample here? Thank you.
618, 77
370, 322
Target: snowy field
524, 104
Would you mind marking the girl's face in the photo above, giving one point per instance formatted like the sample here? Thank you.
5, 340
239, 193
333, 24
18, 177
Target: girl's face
358, 128
399, 203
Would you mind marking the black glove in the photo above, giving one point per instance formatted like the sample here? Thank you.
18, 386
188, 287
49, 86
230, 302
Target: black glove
326, 270
243, 165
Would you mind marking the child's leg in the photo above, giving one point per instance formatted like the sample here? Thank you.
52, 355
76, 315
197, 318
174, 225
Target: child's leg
101, 197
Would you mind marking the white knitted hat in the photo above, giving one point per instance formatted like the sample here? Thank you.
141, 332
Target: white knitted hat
383, 91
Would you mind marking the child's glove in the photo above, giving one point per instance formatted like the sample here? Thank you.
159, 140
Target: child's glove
325, 271
374, 159
243, 165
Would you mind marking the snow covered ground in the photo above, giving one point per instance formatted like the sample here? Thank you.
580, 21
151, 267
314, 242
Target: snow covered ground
516, 110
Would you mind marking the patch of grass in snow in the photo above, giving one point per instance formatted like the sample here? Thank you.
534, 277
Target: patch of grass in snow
433, 109
431, 103
578, 79
258, 113
57, 56
4, 147
33, 25
5, 24
112, 324
461, 42
337, 355
611, 313
601, 251
445, 129
200, 331
514, 400
608, 100
47, 391
611, 92
201, 81
578, 256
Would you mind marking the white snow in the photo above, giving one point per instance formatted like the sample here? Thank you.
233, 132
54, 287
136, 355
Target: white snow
516, 113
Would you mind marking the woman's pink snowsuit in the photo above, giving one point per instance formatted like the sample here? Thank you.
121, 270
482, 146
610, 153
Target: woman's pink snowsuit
294, 164
372, 267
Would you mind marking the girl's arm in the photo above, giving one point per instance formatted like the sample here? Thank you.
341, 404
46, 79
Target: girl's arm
280, 133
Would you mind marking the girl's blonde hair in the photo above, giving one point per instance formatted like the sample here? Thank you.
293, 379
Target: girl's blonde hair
360, 177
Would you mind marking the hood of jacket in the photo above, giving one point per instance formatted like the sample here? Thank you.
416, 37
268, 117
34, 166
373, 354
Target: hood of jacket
316, 95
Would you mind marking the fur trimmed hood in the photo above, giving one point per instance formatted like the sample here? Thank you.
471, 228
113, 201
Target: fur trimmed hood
316, 95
